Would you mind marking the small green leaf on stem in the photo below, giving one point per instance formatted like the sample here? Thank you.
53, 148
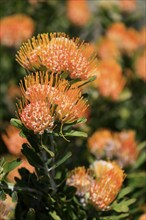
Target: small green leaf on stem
124, 192
54, 215
67, 156
114, 217
8, 166
51, 153
76, 133
16, 123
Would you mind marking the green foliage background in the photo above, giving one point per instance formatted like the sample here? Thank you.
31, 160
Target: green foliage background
128, 113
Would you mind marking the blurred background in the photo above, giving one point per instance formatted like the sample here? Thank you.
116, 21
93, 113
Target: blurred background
116, 32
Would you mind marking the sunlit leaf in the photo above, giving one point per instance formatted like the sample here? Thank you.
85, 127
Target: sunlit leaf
124, 192
51, 153
122, 206
8, 166
114, 217
54, 215
16, 123
140, 161
76, 134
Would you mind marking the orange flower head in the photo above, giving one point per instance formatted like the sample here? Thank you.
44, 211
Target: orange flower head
104, 191
110, 81
36, 116
35, 110
71, 105
57, 53
100, 167
142, 217
15, 29
107, 49
127, 5
102, 143
78, 12
116, 32
48, 99
13, 140
127, 39
130, 41
128, 152
142, 36
80, 179
140, 66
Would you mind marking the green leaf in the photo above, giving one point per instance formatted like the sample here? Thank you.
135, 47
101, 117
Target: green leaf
76, 133
14, 196
51, 153
114, 217
2, 161
81, 120
31, 214
122, 206
16, 123
32, 156
22, 134
68, 126
2, 196
124, 192
68, 155
91, 79
142, 145
8, 166
140, 161
137, 179
54, 215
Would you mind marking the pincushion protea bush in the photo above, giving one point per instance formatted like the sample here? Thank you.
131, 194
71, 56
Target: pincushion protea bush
49, 169
49, 106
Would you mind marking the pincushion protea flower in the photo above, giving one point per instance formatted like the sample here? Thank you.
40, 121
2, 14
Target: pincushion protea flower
100, 167
110, 81
13, 140
48, 99
78, 12
116, 32
127, 39
15, 29
37, 116
140, 65
99, 185
57, 53
102, 142
120, 146
104, 191
107, 49
127, 5
80, 179
142, 36
128, 152
142, 217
